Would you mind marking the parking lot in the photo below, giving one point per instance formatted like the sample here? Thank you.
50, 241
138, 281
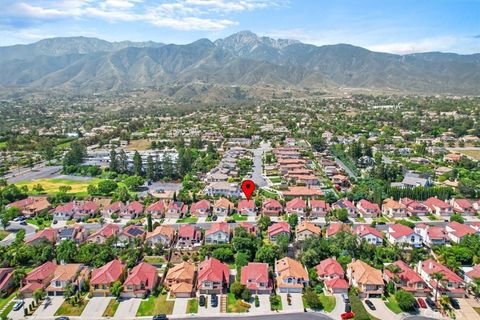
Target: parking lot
95, 307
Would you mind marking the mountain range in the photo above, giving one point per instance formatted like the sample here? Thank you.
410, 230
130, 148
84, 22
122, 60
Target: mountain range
242, 61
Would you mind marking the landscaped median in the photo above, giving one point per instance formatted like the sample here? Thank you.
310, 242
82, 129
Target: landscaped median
155, 305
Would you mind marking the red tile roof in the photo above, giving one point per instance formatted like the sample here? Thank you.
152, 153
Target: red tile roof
337, 283
143, 273
399, 230
245, 204
158, 206
216, 227
277, 228
474, 273
319, 204
329, 267
42, 272
254, 273
186, 231
108, 273
431, 266
460, 230
363, 230
296, 203
213, 270
134, 206
335, 228
435, 202
49, 234
365, 204
463, 203
406, 274
200, 205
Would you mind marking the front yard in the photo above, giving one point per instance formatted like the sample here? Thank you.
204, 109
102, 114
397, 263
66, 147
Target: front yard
4, 301
155, 305
239, 217
66, 309
190, 219
236, 305
357, 306
328, 302
111, 308
192, 306
392, 304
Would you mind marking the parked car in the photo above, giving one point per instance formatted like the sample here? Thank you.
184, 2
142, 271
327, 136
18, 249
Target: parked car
214, 300
201, 301
160, 317
18, 305
422, 303
347, 315
370, 304
62, 318
454, 303
345, 298
348, 307
23, 223
431, 304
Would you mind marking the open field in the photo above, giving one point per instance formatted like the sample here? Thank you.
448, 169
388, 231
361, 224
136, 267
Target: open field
474, 153
51, 186
139, 145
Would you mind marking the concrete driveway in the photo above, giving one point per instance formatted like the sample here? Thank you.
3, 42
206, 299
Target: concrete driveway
209, 310
128, 308
466, 311
95, 307
381, 312
180, 306
19, 314
296, 305
339, 307
46, 310
264, 306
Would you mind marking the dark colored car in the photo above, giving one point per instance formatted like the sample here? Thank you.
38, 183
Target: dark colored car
422, 303
370, 304
348, 308
62, 318
201, 301
160, 317
455, 304
214, 300
431, 304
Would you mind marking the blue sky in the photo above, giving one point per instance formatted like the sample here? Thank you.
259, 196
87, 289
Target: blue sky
397, 26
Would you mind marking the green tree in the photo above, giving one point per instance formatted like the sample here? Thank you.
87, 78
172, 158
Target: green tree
223, 254
113, 165
237, 289
106, 187
149, 222
38, 295
133, 182
405, 300
67, 251
267, 253
137, 164
116, 289
438, 277
150, 170
311, 298
292, 221
456, 217
264, 222
75, 155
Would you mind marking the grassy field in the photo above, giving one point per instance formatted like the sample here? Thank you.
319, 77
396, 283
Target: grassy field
51, 186
139, 145
234, 305
155, 305
192, 306
474, 153
328, 302
3, 234
66, 309
392, 304
111, 308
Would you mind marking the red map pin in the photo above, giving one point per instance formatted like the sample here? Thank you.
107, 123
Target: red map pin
248, 186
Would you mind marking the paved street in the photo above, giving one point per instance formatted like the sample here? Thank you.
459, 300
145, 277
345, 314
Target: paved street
127, 308
38, 172
258, 167
95, 307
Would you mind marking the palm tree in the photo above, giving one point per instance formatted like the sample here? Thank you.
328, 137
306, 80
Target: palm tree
438, 277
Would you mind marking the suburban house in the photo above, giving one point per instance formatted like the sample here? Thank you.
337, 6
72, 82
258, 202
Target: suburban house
130, 233
457, 231
65, 274
131, 210
48, 234
290, 276
296, 206
188, 236
223, 207
277, 229
180, 279
369, 234
104, 276
200, 208
438, 207
365, 278
451, 285
113, 208
308, 192
271, 207
107, 231
222, 188
75, 209
335, 228
414, 208
432, 235
219, 232
213, 276
156, 209
246, 207
31, 206
400, 234
346, 204
162, 234
255, 277
76, 233
463, 206
367, 209
7, 281
472, 274
331, 272
306, 229
406, 278
38, 278
141, 280
249, 227
176, 209
394, 209
319, 208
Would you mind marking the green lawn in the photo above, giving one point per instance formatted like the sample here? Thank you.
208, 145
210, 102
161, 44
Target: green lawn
192, 306
40, 223
7, 310
268, 194
414, 218
51, 186
3, 234
381, 219
234, 305
155, 305
111, 308
187, 219
275, 179
358, 307
154, 259
360, 219
431, 217
66, 309
392, 304
4, 301
239, 217
328, 302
